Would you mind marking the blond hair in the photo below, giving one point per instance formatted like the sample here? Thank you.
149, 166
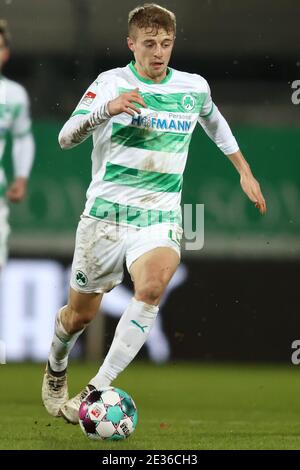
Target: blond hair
151, 15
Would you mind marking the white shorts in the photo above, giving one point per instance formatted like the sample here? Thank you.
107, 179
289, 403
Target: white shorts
101, 249
4, 231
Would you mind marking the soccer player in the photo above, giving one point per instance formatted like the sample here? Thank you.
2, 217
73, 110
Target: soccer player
14, 118
141, 118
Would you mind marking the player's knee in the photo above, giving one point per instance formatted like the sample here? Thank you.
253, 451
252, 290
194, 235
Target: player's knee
77, 318
150, 292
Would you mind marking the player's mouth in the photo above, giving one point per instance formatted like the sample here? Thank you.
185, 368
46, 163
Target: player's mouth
157, 64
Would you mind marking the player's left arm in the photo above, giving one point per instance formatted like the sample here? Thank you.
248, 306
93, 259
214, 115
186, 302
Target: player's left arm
249, 184
217, 128
22, 151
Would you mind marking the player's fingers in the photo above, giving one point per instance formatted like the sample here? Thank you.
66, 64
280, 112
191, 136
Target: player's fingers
262, 209
136, 94
137, 99
128, 110
128, 101
127, 105
133, 107
140, 100
261, 206
261, 201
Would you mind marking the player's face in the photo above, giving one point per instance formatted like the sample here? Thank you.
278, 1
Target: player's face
152, 50
4, 52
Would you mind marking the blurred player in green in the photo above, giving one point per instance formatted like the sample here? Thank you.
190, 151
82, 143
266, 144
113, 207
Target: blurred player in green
141, 118
14, 119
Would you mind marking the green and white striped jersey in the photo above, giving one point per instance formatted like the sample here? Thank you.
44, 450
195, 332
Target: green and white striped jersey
138, 162
14, 117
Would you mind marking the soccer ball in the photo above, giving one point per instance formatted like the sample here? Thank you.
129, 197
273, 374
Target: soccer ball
109, 413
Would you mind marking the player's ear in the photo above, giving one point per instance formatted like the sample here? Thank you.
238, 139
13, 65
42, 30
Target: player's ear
130, 44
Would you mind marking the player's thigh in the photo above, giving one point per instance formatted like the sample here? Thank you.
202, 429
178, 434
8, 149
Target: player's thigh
156, 266
98, 257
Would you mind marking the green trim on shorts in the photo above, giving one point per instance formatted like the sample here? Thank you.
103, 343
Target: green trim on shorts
175, 239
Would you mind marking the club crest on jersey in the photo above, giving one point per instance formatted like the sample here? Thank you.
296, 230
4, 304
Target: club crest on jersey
188, 102
88, 98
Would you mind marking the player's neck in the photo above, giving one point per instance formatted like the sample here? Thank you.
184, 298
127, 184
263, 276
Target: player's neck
144, 77
147, 77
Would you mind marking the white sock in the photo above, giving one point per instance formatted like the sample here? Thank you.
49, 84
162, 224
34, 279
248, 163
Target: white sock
131, 333
61, 346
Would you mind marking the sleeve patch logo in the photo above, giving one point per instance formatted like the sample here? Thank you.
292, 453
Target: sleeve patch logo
88, 98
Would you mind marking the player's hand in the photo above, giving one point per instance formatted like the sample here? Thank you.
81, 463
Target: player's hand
125, 103
252, 188
17, 190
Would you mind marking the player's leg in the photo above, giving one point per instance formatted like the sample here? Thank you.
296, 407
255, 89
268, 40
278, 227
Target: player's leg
115, 303
151, 261
87, 287
70, 322
98, 268
155, 269
151, 273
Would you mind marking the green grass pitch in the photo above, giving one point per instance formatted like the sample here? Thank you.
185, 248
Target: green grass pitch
181, 406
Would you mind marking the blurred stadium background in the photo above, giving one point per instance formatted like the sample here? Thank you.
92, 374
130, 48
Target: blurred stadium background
240, 298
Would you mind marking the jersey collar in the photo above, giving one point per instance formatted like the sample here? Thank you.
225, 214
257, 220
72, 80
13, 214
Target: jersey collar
147, 80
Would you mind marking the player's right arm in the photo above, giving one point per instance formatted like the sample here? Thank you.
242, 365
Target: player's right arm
97, 105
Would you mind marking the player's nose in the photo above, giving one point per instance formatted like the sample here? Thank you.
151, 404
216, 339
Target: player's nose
158, 52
